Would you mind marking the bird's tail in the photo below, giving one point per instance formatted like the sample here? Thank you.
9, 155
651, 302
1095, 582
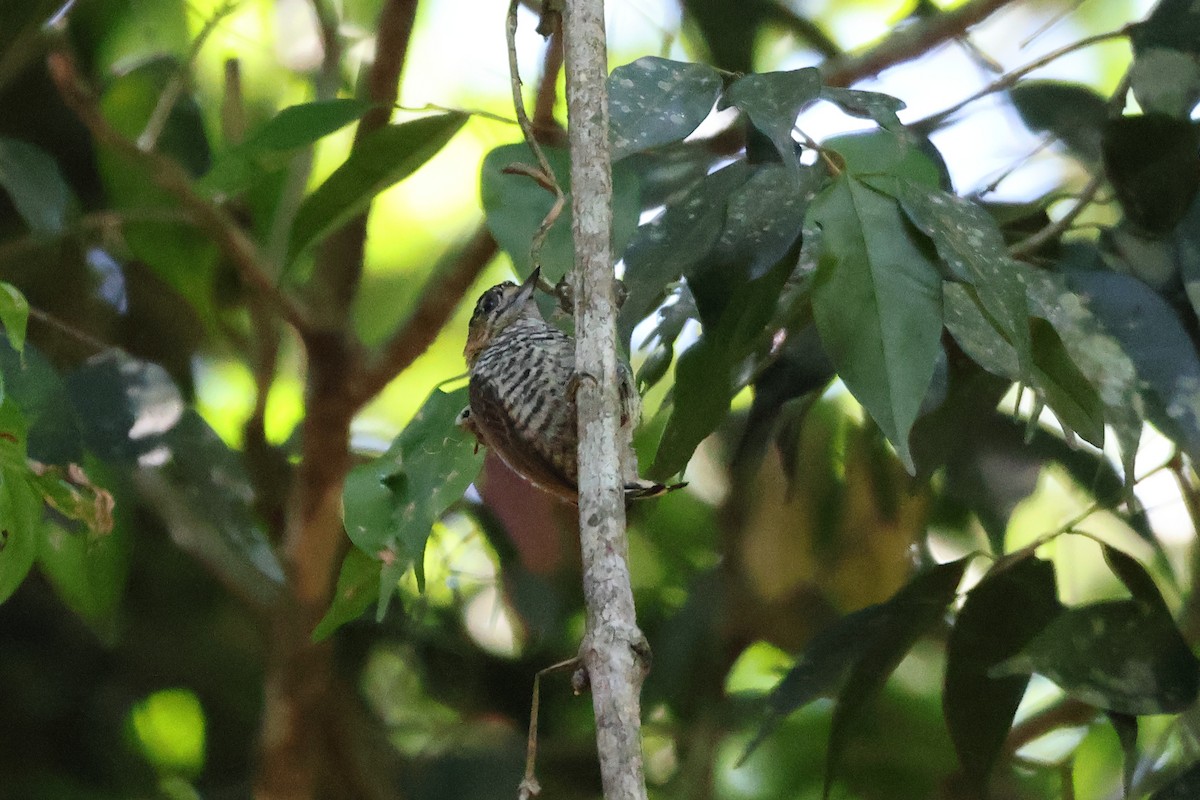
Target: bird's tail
641, 489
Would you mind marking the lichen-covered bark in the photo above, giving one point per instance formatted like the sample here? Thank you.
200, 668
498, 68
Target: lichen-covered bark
613, 647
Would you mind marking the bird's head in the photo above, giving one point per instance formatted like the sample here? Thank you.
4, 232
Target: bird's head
496, 309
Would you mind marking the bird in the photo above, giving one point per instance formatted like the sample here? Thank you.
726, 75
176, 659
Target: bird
521, 393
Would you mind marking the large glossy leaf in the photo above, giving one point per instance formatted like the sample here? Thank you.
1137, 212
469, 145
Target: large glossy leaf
515, 206
33, 182
1152, 335
268, 148
1153, 163
877, 302
764, 216
912, 611
382, 159
886, 153
1120, 655
655, 101
1072, 112
1005, 610
970, 243
664, 249
392, 502
773, 101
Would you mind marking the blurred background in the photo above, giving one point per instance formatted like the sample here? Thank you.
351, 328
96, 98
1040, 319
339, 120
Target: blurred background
131, 668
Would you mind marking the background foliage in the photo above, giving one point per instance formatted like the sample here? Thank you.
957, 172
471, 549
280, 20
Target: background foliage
918, 325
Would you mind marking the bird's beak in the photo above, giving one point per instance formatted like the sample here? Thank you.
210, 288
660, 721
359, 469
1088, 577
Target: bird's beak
525, 290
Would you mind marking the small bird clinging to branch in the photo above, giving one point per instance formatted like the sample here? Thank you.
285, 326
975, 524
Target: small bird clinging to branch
522, 394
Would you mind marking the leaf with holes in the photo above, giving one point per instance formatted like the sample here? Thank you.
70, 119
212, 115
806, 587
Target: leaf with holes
392, 502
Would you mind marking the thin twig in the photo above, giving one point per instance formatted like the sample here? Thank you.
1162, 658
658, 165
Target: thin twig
1008, 79
909, 42
474, 112
178, 82
70, 330
172, 178
529, 784
804, 29
535, 246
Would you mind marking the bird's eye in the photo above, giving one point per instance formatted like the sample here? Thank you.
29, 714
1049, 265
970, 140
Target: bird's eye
488, 303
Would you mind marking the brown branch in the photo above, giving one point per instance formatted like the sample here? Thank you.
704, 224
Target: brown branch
909, 42
442, 295
339, 264
170, 176
545, 127
804, 29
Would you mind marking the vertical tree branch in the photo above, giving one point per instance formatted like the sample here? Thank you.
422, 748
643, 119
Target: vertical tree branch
613, 649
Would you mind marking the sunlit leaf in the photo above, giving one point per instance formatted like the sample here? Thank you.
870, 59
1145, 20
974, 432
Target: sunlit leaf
169, 726
20, 518
33, 182
515, 206
773, 101
1120, 655
357, 588
877, 302
1072, 112
382, 159
267, 148
14, 315
654, 101
391, 503
1002, 613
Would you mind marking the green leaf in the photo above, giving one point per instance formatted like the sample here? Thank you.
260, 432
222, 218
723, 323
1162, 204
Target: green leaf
1126, 728
654, 101
970, 243
38, 390
877, 302
881, 108
704, 379
1120, 655
1151, 334
1066, 388
516, 205
14, 315
1153, 163
1166, 81
88, 573
765, 215
36, 187
773, 101
268, 148
1002, 613
911, 612
664, 249
386, 157
357, 588
1136, 579
883, 152
1172, 23
391, 503
1072, 112
20, 520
